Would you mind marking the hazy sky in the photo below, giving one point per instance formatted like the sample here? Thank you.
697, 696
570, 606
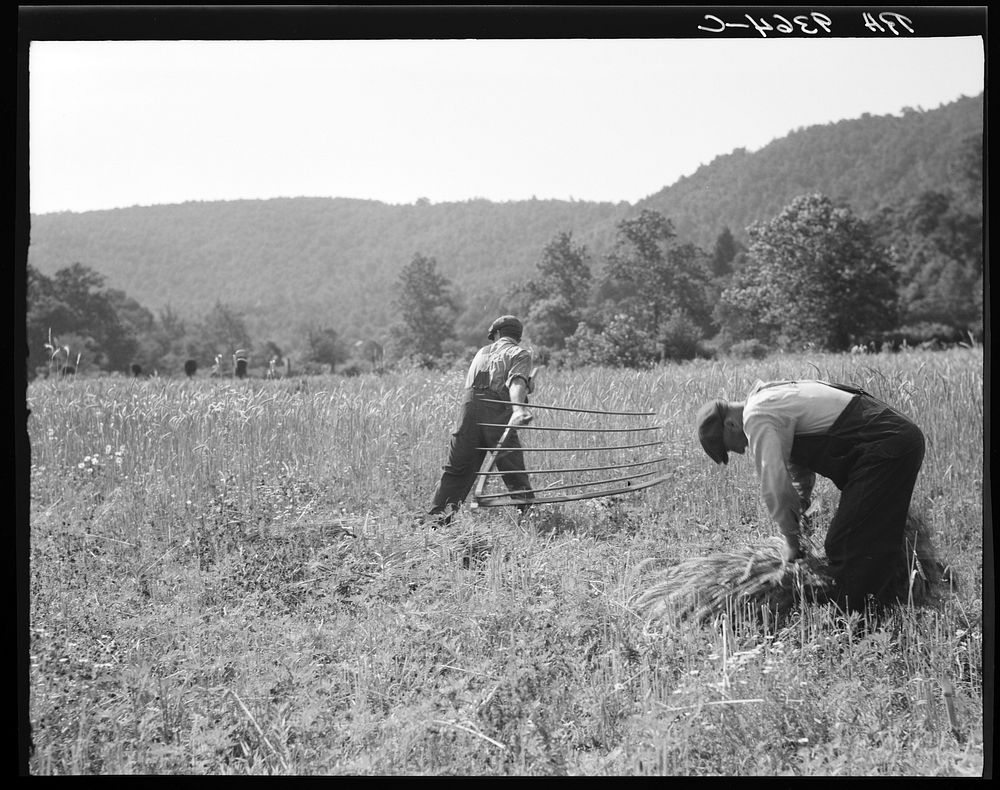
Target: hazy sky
120, 123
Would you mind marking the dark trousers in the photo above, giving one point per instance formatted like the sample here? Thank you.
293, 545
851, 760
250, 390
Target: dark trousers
872, 454
464, 459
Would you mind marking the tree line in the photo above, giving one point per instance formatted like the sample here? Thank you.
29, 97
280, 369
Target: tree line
868, 162
279, 261
74, 323
814, 275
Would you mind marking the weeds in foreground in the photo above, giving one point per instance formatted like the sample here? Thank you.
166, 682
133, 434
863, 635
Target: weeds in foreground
237, 586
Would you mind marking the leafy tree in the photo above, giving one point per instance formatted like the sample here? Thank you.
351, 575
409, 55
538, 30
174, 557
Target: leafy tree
565, 269
969, 169
623, 342
554, 302
75, 310
482, 304
43, 306
80, 289
937, 239
740, 311
726, 249
680, 337
727, 254
132, 340
649, 277
816, 274
551, 319
426, 308
324, 346
167, 344
689, 283
221, 332
588, 346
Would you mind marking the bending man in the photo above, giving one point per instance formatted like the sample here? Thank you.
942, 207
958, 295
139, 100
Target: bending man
499, 371
872, 453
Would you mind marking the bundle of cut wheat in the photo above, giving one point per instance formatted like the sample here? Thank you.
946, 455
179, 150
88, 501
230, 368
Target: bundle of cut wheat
754, 578
747, 578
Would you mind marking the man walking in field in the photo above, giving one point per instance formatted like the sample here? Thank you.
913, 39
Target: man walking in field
500, 371
872, 453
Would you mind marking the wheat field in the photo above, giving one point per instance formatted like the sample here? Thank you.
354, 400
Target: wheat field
228, 577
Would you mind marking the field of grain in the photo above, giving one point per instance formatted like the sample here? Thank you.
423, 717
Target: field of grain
227, 577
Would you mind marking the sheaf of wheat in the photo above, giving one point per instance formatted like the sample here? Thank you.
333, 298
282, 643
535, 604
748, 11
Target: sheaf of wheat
753, 578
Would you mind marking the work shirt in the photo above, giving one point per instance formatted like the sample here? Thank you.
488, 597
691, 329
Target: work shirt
495, 366
773, 415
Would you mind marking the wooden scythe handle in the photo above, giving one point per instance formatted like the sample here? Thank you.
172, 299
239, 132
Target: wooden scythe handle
487, 464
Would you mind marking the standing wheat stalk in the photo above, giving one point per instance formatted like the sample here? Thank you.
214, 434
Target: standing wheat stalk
256, 726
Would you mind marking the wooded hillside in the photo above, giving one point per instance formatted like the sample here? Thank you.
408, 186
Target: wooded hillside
868, 163
284, 263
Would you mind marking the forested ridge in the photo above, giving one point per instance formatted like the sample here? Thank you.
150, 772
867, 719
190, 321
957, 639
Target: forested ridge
294, 266
868, 163
286, 258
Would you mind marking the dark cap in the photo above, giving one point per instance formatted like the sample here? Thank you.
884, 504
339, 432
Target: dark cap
710, 421
506, 322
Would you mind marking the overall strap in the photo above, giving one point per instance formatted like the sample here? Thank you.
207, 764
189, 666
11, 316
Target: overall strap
845, 388
481, 380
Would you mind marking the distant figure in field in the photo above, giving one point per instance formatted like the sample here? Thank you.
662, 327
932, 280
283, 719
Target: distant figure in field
190, 368
500, 371
240, 364
136, 370
872, 453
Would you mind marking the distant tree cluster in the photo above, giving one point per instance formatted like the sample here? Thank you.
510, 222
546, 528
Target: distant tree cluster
936, 242
813, 275
75, 324
425, 311
72, 317
866, 163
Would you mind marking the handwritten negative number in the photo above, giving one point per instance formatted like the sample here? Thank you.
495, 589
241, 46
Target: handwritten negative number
811, 24
762, 26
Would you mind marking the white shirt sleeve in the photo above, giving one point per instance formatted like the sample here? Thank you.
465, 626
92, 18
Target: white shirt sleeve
770, 443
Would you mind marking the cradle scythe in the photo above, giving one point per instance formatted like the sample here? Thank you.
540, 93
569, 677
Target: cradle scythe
622, 484
492, 454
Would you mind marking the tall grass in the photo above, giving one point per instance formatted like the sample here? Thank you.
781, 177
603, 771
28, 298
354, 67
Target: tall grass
227, 578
